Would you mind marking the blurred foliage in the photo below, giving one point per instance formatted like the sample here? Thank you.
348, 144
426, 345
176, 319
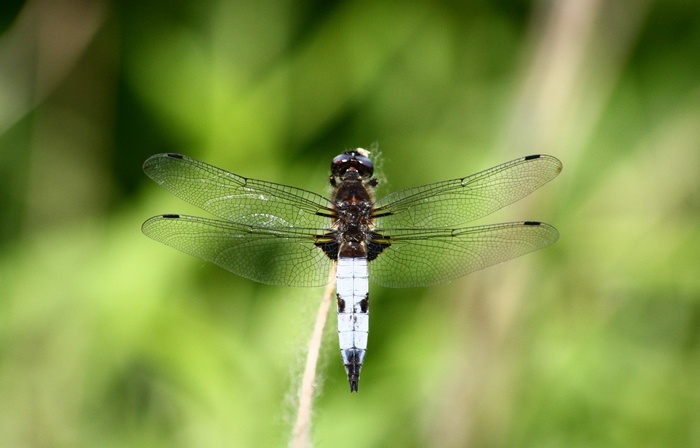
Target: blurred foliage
109, 339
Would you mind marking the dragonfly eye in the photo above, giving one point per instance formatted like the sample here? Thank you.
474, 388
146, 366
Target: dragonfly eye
343, 162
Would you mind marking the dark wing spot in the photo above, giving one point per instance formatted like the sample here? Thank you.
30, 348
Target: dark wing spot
376, 245
532, 157
531, 223
175, 156
171, 216
329, 245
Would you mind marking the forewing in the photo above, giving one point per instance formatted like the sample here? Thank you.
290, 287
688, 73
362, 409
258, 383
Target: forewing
236, 198
455, 202
424, 257
276, 256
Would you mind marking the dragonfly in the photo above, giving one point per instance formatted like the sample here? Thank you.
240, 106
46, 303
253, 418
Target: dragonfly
282, 235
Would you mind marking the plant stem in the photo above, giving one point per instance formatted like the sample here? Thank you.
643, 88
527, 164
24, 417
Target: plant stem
302, 427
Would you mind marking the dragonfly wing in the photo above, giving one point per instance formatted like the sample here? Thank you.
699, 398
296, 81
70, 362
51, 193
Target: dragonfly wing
276, 256
236, 198
424, 257
455, 202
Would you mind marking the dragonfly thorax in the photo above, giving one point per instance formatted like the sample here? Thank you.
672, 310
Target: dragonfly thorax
353, 225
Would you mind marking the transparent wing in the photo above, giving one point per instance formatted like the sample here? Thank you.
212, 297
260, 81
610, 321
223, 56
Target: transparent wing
237, 198
424, 257
455, 202
276, 256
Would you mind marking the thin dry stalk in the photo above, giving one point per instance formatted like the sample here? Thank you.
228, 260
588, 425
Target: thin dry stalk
302, 427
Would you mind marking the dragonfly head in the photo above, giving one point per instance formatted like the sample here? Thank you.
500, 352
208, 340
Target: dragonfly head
352, 165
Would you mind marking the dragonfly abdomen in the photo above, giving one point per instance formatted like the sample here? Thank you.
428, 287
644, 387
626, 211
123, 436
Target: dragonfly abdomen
352, 287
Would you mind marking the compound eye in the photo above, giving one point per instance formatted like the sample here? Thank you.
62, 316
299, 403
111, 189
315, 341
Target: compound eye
340, 164
340, 160
352, 161
364, 166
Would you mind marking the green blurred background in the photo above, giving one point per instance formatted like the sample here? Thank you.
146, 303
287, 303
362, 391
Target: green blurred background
108, 339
